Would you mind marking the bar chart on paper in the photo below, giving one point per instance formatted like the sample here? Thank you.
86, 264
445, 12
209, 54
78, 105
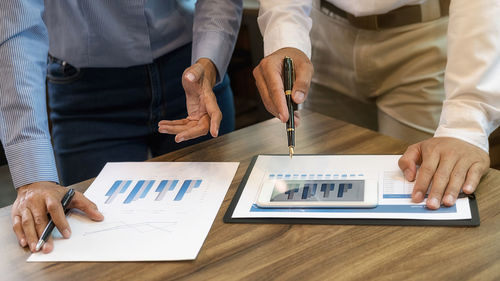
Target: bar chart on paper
152, 211
156, 190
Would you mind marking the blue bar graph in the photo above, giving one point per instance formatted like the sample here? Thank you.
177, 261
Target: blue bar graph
124, 188
326, 190
293, 189
141, 189
148, 187
186, 187
134, 192
161, 186
113, 191
197, 184
172, 186
305, 191
113, 188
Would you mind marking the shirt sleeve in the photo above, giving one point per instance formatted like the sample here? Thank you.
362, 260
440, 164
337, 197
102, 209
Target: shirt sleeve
285, 23
471, 110
215, 30
23, 116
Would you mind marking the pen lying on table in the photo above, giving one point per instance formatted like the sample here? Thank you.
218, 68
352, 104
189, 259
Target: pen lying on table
288, 78
50, 226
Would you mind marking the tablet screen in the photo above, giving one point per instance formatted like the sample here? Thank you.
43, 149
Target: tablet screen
318, 190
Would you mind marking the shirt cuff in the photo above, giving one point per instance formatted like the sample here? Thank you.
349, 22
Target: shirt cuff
215, 46
284, 35
467, 123
31, 161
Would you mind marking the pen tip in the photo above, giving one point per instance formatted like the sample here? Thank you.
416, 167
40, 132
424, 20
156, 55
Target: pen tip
39, 245
290, 151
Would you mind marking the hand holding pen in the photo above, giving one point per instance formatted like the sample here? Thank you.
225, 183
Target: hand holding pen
269, 80
50, 226
38, 202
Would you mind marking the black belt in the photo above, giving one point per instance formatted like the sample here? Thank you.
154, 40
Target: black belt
427, 11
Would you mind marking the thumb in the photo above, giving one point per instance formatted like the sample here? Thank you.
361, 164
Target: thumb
193, 73
303, 76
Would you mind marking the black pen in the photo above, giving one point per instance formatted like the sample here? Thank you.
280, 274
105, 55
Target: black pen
288, 78
50, 226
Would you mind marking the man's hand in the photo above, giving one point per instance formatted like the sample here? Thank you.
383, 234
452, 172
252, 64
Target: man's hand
448, 164
269, 80
34, 201
203, 111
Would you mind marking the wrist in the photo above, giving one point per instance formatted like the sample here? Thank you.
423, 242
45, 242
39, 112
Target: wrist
210, 71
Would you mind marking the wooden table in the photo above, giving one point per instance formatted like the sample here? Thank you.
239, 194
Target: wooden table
297, 252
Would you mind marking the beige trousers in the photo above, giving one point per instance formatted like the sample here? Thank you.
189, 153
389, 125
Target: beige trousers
400, 70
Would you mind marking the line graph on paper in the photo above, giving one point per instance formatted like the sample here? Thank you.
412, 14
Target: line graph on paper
139, 227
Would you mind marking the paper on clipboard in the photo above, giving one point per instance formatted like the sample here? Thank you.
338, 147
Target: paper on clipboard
394, 190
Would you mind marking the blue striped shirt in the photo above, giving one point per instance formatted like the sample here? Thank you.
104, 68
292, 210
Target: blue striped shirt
90, 33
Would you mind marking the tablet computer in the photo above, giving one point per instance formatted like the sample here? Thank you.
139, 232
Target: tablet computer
334, 193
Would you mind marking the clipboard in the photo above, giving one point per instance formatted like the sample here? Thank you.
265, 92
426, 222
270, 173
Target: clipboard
228, 216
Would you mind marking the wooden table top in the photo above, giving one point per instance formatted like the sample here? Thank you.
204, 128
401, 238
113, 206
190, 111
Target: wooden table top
297, 252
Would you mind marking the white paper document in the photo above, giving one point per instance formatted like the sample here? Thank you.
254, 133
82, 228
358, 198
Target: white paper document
152, 211
394, 201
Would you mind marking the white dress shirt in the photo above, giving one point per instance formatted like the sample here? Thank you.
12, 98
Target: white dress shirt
471, 110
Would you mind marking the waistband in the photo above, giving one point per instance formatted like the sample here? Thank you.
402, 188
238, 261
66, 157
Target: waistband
427, 11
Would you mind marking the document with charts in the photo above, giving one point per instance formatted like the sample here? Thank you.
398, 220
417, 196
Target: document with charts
152, 211
317, 173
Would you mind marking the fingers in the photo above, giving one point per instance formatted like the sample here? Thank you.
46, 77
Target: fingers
58, 216
440, 181
260, 82
18, 230
199, 130
270, 84
474, 175
213, 112
424, 176
409, 161
173, 122
296, 119
88, 207
48, 246
457, 179
41, 222
448, 165
28, 225
175, 129
303, 75
275, 89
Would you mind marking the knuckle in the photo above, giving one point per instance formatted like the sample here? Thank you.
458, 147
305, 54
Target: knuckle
25, 221
38, 220
51, 207
275, 89
265, 63
426, 170
255, 72
441, 177
452, 192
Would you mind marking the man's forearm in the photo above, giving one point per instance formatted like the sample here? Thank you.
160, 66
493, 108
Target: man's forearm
23, 117
471, 110
285, 23
215, 30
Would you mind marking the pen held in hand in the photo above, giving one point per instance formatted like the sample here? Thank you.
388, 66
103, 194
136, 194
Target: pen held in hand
66, 200
288, 79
